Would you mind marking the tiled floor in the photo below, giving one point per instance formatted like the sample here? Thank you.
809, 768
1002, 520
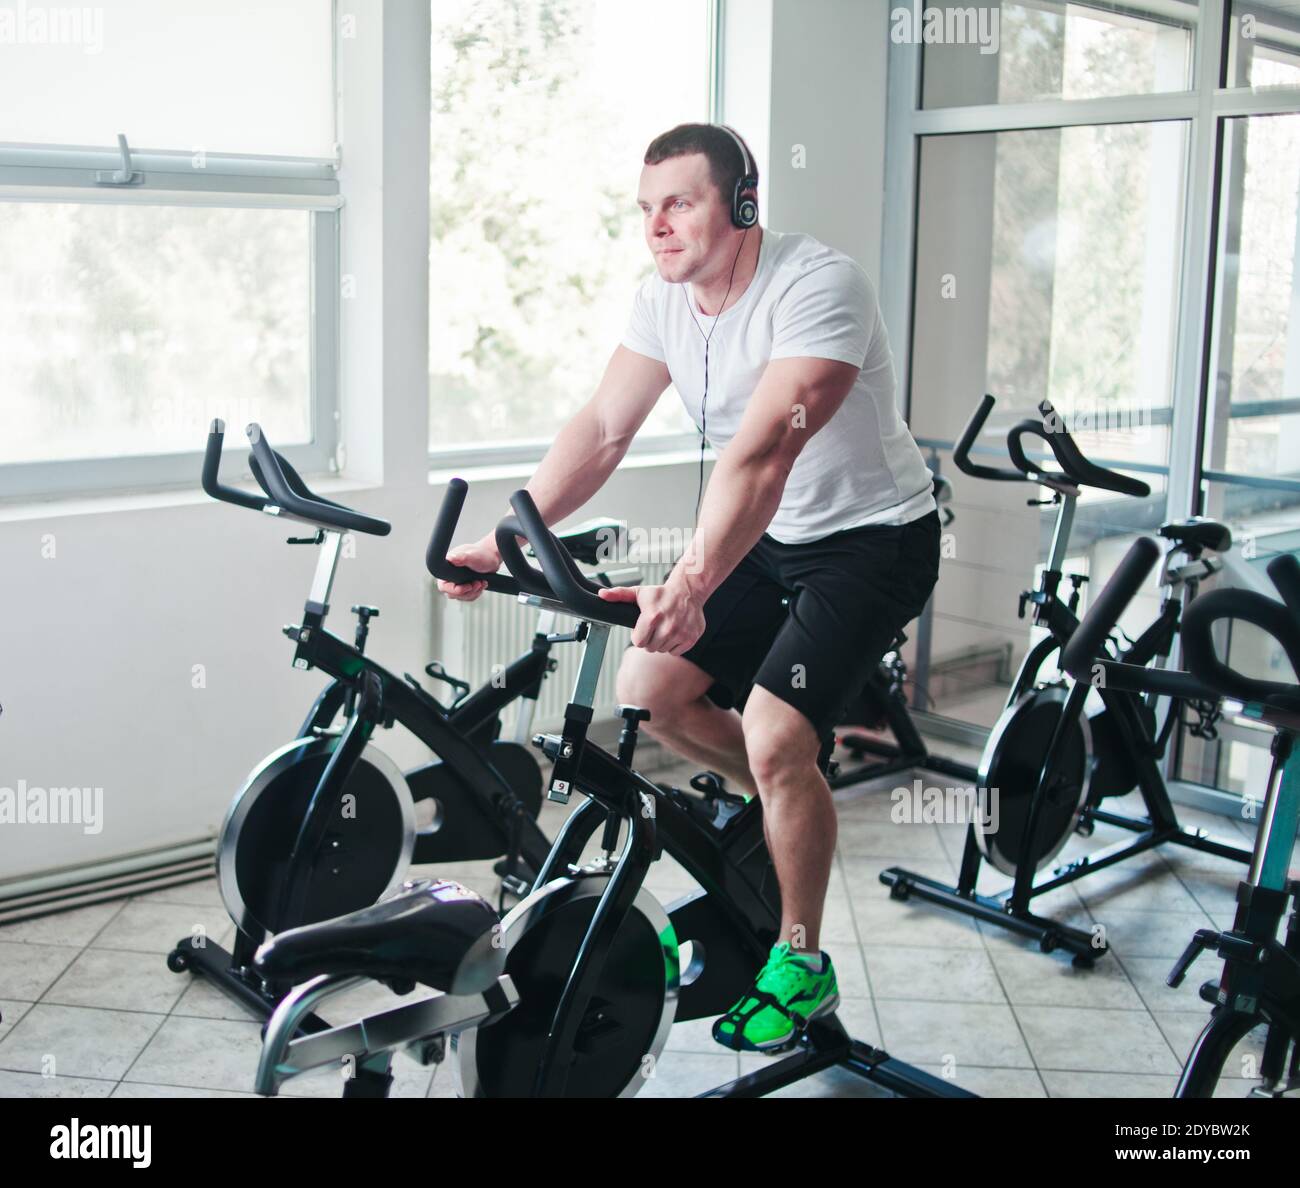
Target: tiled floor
90, 1009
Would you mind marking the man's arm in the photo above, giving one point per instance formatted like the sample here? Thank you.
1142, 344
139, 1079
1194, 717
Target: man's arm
592, 444
794, 399
583, 455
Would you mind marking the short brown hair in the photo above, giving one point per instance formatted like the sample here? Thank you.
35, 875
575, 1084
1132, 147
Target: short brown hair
725, 165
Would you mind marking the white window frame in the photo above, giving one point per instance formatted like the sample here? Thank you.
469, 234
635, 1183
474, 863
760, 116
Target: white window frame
71, 174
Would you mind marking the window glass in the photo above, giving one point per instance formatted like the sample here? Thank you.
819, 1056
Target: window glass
1018, 53
237, 76
542, 111
125, 328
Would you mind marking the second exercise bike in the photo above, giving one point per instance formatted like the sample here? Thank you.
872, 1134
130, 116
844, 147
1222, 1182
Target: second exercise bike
1251, 1043
326, 824
1049, 764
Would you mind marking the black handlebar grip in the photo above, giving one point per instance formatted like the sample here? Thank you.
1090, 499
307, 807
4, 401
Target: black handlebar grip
1165, 682
562, 573
1022, 461
961, 454
1198, 642
529, 578
444, 530
306, 508
1085, 645
1284, 570
1077, 467
212, 467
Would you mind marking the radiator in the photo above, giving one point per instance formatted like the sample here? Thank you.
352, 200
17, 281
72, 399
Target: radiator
493, 630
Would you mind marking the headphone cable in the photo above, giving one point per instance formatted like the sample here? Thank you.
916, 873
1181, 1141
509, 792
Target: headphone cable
704, 402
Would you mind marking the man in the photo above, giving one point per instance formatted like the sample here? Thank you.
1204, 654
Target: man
819, 497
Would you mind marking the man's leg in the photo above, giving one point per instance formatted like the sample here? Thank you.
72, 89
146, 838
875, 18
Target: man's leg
681, 715
798, 813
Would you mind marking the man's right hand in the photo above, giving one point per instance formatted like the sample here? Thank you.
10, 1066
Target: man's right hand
482, 556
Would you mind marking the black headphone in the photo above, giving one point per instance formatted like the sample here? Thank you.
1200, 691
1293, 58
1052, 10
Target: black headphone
744, 211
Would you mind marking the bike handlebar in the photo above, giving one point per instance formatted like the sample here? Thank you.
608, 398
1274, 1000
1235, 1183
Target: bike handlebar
961, 455
211, 467
1085, 645
1209, 677
559, 579
444, 529
1075, 467
286, 493
1274, 618
559, 569
302, 504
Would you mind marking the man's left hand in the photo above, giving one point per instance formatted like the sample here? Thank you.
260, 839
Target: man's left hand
672, 617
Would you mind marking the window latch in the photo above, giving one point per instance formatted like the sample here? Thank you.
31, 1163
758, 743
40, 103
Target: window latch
125, 176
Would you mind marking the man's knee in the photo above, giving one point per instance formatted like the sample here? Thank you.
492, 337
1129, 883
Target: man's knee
779, 740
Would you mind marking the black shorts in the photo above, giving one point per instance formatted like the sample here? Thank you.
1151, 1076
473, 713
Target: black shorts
849, 595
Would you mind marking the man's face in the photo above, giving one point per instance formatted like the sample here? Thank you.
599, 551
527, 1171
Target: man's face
687, 226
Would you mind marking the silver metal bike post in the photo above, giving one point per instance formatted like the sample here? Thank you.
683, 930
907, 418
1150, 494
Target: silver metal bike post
326, 564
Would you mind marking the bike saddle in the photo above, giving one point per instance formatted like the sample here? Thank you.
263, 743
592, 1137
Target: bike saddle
433, 931
596, 542
1203, 533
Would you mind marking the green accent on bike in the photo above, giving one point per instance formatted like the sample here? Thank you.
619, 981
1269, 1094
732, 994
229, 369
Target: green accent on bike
785, 997
672, 958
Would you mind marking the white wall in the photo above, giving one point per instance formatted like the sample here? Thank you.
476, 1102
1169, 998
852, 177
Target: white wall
804, 82
98, 642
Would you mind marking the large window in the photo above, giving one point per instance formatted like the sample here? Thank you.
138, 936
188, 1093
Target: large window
125, 329
1082, 230
1251, 456
542, 110
185, 272
1032, 283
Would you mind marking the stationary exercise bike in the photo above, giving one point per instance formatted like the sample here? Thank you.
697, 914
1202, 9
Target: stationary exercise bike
574, 992
1259, 986
1049, 764
326, 823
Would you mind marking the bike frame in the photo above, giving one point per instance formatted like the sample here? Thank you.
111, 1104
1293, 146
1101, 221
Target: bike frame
1260, 980
656, 822
1012, 909
385, 699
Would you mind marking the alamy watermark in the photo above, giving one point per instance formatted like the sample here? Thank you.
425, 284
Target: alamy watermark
921, 805
128, 1142
41, 24
973, 25
1098, 416
636, 544
32, 805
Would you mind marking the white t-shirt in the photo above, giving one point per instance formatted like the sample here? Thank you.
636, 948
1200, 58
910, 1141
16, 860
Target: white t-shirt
806, 300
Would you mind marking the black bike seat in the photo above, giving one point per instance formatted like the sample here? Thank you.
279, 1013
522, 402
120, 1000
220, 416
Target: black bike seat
433, 931
1206, 534
596, 542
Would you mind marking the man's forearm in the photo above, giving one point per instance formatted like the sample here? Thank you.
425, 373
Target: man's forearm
742, 497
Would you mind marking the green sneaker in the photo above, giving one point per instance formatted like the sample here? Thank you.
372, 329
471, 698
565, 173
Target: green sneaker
784, 998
